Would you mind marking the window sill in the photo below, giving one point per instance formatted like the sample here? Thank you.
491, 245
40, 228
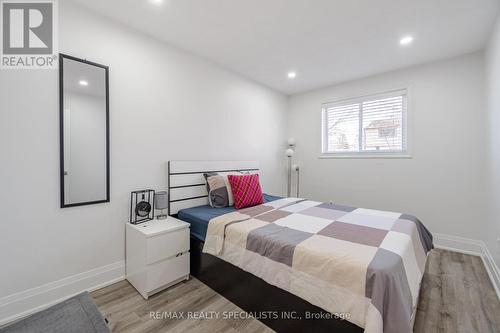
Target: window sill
367, 156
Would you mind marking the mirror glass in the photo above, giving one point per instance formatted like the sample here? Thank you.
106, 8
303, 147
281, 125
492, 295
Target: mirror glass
84, 132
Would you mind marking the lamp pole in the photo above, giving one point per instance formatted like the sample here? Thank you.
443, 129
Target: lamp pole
289, 188
289, 153
296, 168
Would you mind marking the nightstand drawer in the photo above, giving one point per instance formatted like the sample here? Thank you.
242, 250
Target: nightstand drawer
164, 272
167, 245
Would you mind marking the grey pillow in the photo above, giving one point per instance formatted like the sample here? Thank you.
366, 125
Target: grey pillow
217, 190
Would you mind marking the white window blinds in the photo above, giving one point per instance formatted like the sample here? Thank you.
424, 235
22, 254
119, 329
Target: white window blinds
371, 124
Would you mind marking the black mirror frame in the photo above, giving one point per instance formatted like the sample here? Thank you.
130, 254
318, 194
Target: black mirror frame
61, 129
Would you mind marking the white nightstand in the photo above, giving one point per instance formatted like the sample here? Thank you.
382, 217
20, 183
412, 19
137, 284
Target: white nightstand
157, 254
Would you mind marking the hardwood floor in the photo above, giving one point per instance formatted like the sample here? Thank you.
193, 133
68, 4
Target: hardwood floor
456, 296
127, 311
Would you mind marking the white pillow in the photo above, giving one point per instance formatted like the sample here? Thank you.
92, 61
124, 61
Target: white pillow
228, 185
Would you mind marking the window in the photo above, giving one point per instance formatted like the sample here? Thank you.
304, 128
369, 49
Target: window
370, 125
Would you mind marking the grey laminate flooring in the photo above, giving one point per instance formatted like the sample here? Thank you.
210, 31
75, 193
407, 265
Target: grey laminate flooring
456, 296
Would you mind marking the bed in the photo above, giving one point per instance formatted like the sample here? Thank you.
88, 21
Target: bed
200, 216
307, 265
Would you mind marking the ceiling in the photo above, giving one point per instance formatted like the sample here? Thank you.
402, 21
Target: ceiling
323, 41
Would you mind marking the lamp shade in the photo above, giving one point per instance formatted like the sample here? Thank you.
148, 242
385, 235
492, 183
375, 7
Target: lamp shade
291, 142
161, 200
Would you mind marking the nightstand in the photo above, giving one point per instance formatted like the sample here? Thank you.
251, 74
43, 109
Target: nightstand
157, 254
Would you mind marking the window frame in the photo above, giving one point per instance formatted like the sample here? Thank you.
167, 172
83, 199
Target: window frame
368, 154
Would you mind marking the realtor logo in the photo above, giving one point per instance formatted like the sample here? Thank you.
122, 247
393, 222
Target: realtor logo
29, 37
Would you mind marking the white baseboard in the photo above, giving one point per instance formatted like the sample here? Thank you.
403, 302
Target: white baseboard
24, 303
472, 247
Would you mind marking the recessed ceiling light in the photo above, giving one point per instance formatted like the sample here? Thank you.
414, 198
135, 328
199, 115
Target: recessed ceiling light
83, 83
156, 2
406, 40
292, 75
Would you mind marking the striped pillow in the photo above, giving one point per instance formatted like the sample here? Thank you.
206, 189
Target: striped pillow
246, 190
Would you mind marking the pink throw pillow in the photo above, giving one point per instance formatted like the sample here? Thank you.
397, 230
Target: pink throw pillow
246, 190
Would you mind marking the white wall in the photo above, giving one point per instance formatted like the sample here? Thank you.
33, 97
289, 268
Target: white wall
493, 109
165, 104
443, 183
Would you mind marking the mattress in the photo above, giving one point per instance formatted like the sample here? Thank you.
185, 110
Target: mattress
199, 216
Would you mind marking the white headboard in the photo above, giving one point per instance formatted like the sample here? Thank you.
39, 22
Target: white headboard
186, 183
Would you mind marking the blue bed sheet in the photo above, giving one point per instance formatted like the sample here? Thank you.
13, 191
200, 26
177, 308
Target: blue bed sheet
199, 216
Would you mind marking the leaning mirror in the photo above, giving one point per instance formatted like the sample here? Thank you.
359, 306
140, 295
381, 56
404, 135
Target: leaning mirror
84, 127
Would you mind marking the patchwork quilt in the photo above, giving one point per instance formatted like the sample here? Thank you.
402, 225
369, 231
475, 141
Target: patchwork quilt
365, 265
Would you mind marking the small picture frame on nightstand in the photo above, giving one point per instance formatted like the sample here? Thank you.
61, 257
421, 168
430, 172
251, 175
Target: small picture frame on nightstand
142, 206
